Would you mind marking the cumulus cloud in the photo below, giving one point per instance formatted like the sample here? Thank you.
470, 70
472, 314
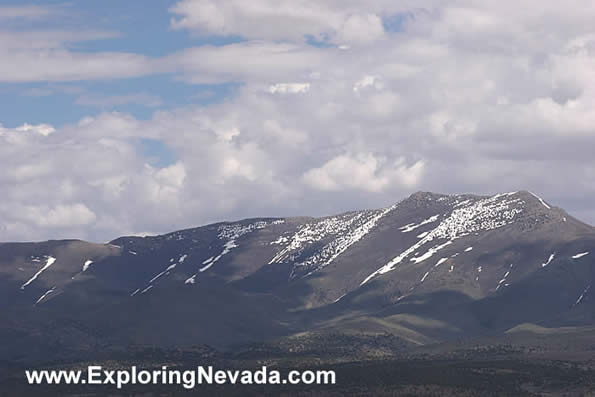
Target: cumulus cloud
42, 129
465, 96
364, 172
289, 88
335, 21
58, 216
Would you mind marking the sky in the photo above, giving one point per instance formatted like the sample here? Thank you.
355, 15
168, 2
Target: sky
136, 117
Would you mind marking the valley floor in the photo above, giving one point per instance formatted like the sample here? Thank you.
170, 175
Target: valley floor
487, 370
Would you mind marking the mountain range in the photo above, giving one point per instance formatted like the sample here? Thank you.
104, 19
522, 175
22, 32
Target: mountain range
430, 269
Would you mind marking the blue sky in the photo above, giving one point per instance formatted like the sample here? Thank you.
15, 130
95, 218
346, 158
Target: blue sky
138, 27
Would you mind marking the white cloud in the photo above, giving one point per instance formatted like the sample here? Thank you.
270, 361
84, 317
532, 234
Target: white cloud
228, 134
467, 97
59, 216
62, 65
338, 21
165, 185
367, 81
42, 129
26, 12
289, 88
247, 61
48, 39
34, 55
13, 134
287, 136
361, 29
363, 172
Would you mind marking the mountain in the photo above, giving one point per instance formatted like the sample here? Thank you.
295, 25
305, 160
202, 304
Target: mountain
432, 268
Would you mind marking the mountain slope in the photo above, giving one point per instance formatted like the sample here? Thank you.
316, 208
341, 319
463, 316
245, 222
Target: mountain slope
428, 269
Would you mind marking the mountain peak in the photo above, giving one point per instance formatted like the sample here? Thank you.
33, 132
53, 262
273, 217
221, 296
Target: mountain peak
513, 254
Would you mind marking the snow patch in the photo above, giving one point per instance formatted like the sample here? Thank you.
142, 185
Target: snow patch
582, 296
577, 256
503, 280
441, 261
227, 247
280, 240
541, 201
44, 295
550, 259
50, 261
339, 298
191, 280
481, 215
86, 265
339, 233
430, 252
412, 226
232, 232
461, 203
167, 270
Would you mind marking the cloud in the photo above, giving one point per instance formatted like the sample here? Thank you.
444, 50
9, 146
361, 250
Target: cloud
14, 133
247, 62
35, 55
61, 65
362, 172
164, 185
59, 216
48, 39
464, 96
334, 21
26, 12
42, 129
289, 88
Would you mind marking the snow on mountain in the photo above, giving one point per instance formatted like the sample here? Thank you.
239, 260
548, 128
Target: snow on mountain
49, 262
578, 256
470, 263
467, 217
42, 297
229, 233
336, 234
86, 265
549, 260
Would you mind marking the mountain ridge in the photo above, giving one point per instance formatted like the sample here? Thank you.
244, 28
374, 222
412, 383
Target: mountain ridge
429, 268
419, 193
